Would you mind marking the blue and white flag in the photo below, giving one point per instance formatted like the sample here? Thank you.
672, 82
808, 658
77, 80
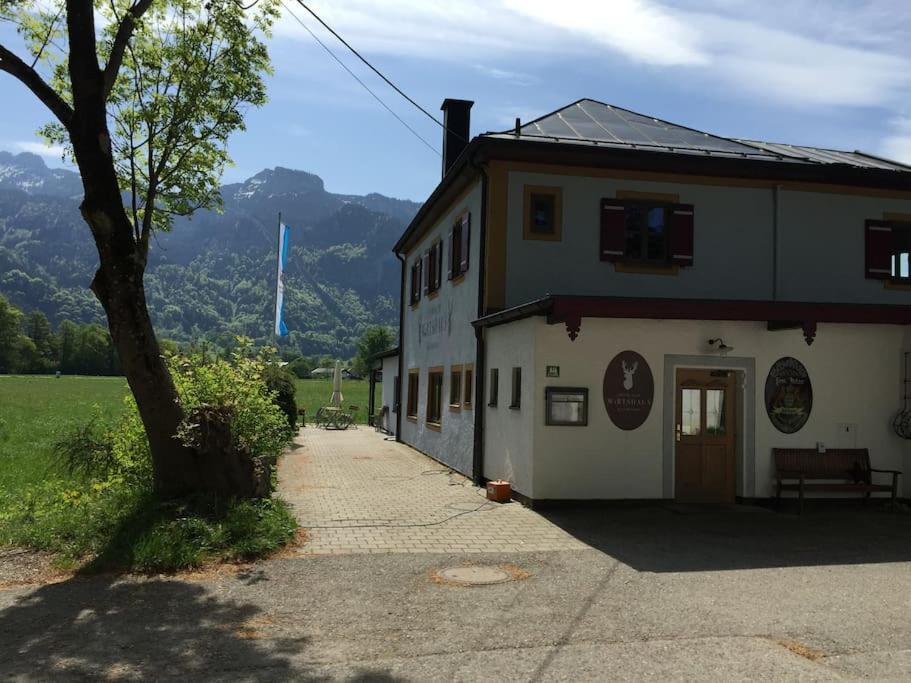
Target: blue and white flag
281, 330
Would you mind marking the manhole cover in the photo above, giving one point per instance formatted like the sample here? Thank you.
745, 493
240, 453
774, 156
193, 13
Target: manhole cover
475, 576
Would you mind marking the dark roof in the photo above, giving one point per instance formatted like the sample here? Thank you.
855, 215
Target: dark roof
594, 123
592, 133
388, 353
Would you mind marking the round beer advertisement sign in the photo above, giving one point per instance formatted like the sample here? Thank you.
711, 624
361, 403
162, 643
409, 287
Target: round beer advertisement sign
629, 390
788, 395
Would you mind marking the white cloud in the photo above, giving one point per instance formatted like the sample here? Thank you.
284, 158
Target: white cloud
800, 53
641, 30
54, 152
897, 146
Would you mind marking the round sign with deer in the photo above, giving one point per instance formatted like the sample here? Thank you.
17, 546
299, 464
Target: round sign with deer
629, 390
788, 395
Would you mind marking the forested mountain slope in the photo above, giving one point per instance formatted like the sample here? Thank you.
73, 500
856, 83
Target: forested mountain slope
214, 276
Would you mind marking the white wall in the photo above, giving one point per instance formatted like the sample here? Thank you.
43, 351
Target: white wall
390, 372
438, 332
508, 432
821, 245
854, 372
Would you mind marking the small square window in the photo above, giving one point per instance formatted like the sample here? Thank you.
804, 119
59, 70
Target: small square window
901, 252
413, 386
494, 387
565, 406
455, 386
515, 400
468, 375
434, 396
543, 213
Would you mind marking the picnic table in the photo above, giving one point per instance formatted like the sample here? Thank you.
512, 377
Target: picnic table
332, 417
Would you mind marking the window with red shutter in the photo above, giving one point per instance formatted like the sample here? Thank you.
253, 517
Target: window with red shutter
878, 250
449, 262
425, 272
438, 268
613, 230
888, 250
681, 234
465, 243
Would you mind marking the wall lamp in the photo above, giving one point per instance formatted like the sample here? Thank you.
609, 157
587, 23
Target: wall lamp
719, 345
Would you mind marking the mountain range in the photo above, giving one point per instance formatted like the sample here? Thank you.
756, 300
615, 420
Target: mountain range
213, 276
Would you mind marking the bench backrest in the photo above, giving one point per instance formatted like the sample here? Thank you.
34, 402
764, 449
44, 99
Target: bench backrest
835, 463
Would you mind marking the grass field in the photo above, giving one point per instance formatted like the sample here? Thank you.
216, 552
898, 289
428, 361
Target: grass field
314, 393
110, 523
36, 410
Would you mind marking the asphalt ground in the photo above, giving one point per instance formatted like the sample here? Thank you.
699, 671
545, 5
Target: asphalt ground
665, 593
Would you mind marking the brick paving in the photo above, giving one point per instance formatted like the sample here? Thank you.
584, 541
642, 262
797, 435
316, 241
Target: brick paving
356, 491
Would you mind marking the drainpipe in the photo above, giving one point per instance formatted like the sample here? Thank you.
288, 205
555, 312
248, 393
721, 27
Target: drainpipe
477, 462
776, 219
398, 392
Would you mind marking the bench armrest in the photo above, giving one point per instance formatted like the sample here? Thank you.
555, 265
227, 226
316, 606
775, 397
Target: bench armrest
873, 469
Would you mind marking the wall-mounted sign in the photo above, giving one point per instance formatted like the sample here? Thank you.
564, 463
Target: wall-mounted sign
629, 390
788, 395
433, 322
553, 370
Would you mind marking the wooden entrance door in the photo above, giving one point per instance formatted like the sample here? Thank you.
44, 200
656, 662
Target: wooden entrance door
704, 436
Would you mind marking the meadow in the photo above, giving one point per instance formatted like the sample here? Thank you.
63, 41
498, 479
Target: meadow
37, 411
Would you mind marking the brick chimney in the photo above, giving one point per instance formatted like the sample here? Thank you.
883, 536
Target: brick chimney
457, 133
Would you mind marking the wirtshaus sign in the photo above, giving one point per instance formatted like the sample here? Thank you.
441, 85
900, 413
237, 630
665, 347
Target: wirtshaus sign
629, 390
788, 395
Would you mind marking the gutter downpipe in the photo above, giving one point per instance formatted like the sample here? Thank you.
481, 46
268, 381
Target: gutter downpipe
477, 461
398, 391
776, 219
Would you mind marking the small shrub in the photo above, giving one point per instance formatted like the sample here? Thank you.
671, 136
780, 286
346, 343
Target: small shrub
86, 450
281, 383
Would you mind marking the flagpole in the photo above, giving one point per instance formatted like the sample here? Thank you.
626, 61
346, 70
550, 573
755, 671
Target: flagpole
278, 268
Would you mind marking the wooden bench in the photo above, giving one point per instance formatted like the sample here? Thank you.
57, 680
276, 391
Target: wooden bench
838, 470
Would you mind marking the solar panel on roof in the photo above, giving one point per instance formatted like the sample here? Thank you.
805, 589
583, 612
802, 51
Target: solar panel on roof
595, 121
591, 122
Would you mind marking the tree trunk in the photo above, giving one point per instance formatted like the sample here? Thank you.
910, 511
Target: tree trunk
122, 295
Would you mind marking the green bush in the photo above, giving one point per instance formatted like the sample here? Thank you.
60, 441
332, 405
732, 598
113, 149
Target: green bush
281, 383
300, 367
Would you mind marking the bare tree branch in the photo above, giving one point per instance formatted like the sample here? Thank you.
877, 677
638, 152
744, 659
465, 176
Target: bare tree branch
26, 75
47, 37
121, 38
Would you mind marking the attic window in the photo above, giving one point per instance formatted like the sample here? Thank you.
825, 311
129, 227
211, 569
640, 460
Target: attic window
543, 213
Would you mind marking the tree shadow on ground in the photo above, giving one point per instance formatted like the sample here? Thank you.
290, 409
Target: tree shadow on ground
109, 628
683, 538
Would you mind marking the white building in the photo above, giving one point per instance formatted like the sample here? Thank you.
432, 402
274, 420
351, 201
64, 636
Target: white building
562, 284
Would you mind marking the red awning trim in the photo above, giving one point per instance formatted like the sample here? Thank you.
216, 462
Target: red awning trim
569, 310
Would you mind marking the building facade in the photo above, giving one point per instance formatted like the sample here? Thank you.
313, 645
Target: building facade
601, 305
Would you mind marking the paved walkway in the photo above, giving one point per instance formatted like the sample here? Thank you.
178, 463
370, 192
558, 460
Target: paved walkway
357, 491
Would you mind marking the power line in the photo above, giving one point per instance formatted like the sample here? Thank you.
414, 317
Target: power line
375, 70
355, 77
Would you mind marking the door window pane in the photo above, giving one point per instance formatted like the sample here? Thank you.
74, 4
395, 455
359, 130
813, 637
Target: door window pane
714, 412
691, 412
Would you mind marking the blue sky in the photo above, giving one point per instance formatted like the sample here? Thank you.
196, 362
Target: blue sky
834, 73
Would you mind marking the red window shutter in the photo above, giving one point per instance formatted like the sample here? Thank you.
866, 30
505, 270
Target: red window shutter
414, 282
420, 277
466, 243
681, 235
449, 260
425, 270
438, 268
878, 249
613, 230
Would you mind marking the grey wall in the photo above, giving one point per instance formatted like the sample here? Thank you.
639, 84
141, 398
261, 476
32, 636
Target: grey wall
821, 245
438, 333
